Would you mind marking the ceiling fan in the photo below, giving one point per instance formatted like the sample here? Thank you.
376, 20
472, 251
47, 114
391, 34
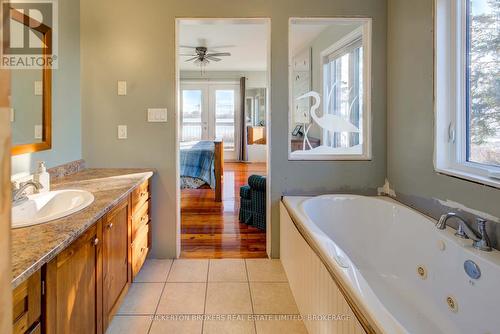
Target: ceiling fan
203, 55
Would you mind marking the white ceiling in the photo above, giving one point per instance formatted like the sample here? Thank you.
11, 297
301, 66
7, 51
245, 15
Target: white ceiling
246, 40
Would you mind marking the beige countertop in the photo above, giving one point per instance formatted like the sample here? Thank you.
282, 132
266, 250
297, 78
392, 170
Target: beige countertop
36, 245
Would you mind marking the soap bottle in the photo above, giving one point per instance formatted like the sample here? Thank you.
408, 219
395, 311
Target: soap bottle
42, 176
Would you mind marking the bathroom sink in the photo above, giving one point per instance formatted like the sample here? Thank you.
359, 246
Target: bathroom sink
44, 207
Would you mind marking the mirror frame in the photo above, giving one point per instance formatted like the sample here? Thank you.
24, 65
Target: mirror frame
46, 142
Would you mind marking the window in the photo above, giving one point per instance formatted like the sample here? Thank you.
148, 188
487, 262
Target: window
467, 87
224, 117
343, 92
329, 88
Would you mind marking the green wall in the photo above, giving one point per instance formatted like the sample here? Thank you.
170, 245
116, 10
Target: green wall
133, 41
66, 111
410, 152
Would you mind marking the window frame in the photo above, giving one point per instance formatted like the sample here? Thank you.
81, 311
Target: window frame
451, 96
342, 47
366, 155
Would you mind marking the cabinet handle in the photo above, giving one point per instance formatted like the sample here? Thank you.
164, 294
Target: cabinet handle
143, 194
110, 225
143, 219
143, 249
95, 241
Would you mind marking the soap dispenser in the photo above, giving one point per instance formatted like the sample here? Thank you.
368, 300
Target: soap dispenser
42, 176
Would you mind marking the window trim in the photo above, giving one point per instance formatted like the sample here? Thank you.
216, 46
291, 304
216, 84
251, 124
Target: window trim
450, 130
366, 155
340, 48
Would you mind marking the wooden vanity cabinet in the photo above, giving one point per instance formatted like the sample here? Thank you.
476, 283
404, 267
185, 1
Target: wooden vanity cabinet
27, 305
115, 259
73, 292
141, 231
86, 282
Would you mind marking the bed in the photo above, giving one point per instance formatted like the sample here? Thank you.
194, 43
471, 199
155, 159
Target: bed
201, 165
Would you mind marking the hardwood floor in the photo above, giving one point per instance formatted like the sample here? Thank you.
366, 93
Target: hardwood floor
212, 230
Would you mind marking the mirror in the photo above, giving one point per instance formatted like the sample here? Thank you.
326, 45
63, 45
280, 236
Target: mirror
30, 97
329, 88
255, 115
255, 106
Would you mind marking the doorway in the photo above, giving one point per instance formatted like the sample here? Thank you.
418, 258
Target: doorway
222, 65
209, 111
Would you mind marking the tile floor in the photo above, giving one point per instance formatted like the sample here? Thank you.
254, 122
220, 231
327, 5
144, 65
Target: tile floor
208, 296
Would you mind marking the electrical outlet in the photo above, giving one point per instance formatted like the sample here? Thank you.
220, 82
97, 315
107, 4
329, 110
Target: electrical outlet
122, 132
122, 88
38, 131
157, 115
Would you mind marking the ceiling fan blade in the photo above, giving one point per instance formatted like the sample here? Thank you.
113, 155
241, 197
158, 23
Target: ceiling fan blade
213, 58
221, 47
187, 55
219, 54
191, 59
187, 46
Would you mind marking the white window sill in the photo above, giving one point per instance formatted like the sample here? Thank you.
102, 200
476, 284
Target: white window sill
490, 181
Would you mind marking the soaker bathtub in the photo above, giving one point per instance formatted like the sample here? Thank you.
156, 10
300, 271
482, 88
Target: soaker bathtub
394, 268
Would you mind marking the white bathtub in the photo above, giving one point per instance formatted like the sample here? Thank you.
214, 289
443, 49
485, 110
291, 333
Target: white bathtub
374, 245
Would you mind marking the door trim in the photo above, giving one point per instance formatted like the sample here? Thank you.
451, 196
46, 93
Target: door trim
272, 249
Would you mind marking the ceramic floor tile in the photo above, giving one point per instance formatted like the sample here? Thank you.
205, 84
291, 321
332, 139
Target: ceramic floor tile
188, 271
227, 270
265, 270
239, 324
228, 298
280, 326
182, 298
176, 326
142, 298
154, 271
272, 298
129, 325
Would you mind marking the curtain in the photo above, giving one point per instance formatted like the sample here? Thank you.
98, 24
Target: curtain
242, 152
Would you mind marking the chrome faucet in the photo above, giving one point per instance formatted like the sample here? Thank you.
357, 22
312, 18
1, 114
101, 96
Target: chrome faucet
464, 231
19, 195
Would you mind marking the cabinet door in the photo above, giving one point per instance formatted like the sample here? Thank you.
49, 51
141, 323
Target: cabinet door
27, 303
115, 258
74, 286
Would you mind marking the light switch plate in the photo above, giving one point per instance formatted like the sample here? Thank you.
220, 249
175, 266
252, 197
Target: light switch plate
157, 114
38, 88
122, 88
122, 132
38, 131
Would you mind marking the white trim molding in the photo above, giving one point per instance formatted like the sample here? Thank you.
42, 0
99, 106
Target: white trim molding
450, 109
365, 31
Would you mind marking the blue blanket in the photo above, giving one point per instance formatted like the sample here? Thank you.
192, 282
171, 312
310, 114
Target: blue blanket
198, 161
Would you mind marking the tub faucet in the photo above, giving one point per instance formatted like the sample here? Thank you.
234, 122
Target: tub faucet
464, 231
19, 196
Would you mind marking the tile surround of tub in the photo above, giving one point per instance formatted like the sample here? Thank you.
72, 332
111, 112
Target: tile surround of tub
188, 296
433, 208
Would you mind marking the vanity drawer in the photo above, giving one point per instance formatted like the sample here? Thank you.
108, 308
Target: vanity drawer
139, 196
140, 219
140, 249
27, 303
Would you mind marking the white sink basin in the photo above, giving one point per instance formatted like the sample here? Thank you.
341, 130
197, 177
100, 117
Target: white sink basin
44, 207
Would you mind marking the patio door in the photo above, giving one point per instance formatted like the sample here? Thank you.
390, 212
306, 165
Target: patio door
211, 110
